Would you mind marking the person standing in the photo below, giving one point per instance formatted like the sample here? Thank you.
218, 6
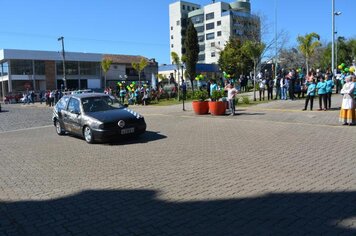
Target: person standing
262, 87
213, 87
310, 95
347, 113
231, 93
321, 87
270, 84
283, 88
329, 90
277, 84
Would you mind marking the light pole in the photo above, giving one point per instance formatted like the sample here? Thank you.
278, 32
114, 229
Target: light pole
184, 87
64, 62
276, 43
333, 14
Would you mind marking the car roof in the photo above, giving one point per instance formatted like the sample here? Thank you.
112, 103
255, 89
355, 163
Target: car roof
88, 95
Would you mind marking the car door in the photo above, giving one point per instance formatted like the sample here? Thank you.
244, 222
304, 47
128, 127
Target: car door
73, 116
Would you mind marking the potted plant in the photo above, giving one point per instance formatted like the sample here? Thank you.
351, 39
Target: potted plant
200, 106
216, 106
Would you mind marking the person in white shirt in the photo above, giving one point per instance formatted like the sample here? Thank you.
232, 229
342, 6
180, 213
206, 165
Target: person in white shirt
231, 93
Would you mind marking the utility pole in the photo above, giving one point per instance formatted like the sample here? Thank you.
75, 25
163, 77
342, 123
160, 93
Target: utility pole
64, 62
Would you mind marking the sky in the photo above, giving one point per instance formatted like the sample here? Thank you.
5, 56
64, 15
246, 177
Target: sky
141, 27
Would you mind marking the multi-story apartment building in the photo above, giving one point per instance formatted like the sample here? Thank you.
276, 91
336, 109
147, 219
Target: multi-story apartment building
215, 24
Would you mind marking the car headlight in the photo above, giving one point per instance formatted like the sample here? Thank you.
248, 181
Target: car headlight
97, 125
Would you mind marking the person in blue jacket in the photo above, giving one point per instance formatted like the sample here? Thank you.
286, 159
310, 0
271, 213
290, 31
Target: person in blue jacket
329, 90
321, 87
310, 95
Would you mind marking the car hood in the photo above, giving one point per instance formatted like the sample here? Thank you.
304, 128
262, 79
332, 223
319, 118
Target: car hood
114, 115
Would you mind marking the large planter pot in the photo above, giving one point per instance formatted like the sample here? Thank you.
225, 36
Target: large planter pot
200, 108
217, 108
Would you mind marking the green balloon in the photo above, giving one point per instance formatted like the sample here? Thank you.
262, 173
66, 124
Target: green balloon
347, 69
343, 64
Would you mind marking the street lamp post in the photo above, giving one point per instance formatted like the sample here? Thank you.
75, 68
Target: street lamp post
276, 42
184, 87
64, 62
333, 14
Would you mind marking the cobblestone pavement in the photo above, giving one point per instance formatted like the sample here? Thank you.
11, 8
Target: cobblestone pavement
270, 170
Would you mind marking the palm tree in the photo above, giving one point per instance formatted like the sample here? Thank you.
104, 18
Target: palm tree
139, 66
176, 61
307, 46
105, 65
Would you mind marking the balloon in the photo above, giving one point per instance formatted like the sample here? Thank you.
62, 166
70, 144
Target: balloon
346, 69
128, 87
343, 64
340, 67
352, 69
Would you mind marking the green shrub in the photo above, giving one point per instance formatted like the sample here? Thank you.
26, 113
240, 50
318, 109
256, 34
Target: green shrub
217, 94
245, 100
200, 95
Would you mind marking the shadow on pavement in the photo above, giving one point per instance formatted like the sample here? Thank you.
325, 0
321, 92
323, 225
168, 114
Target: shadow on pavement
249, 113
146, 137
140, 212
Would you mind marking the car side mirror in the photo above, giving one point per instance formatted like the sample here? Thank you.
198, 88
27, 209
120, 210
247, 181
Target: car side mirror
74, 112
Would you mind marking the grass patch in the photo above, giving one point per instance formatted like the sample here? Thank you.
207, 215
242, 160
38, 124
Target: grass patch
169, 102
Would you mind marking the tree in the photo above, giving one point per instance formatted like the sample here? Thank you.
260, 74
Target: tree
191, 54
307, 46
254, 51
176, 61
105, 66
139, 67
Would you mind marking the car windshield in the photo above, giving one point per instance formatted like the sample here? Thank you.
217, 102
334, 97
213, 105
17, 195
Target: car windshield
104, 103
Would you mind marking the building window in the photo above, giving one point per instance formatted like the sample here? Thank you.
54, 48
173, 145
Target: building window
210, 36
178, 22
171, 36
90, 68
183, 7
171, 27
201, 38
218, 23
212, 44
219, 33
21, 67
4, 68
197, 19
201, 57
199, 29
193, 8
172, 46
39, 68
188, 7
201, 48
209, 16
209, 26
213, 54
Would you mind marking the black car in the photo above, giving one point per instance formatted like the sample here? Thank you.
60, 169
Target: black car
96, 117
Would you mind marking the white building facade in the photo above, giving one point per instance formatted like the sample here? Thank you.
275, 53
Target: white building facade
215, 24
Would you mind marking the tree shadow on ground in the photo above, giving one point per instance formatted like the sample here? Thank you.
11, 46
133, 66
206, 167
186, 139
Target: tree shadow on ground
140, 212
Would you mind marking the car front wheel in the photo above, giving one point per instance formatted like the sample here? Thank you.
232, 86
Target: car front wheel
59, 129
88, 134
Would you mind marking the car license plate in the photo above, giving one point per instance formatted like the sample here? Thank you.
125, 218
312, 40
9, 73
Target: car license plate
128, 131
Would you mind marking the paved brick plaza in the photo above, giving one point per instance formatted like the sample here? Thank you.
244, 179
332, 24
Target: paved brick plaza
271, 170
